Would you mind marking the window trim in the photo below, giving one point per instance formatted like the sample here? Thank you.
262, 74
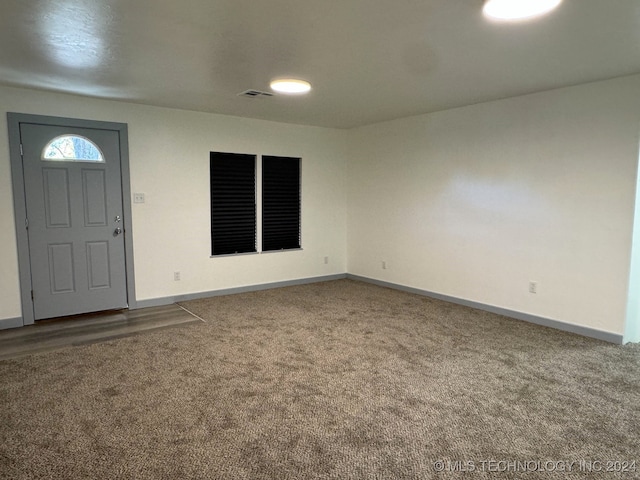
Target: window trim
283, 174
259, 205
228, 207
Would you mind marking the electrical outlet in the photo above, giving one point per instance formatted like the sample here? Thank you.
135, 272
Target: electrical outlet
326, 260
138, 198
533, 287
176, 276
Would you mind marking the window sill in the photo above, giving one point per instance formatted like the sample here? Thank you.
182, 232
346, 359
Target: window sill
256, 253
283, 250
234, 254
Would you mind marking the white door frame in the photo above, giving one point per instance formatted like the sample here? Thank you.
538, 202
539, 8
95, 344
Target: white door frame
20, 209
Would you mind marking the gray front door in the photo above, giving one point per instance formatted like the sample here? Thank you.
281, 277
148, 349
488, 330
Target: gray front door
75, 219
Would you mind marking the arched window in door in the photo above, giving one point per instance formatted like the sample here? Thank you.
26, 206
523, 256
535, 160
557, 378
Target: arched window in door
72, 148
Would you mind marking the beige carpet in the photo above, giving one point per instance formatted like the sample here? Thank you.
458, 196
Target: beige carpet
334, 380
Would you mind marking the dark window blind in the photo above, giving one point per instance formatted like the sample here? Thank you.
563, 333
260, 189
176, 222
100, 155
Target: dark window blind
280, 203
233, 203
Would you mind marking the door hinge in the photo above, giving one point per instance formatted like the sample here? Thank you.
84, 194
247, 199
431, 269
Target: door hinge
26, 223
21, 151
31, 294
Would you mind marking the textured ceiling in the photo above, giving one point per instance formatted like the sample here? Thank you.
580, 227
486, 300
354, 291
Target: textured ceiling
368, 60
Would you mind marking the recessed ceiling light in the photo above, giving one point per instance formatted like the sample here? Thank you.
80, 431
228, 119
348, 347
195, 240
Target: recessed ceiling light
518, 9
290, 85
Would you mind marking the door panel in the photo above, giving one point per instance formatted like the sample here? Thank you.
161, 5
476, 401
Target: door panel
73, 209
94, 193
99, 265
61, 268
56, 197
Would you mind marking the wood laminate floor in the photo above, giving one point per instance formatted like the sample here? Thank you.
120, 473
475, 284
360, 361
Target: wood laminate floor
48, 335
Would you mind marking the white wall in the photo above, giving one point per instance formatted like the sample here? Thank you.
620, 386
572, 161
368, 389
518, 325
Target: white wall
632, 330
472, 202
475, 202
169, 161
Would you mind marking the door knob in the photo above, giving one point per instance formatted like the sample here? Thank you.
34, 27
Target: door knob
117, 232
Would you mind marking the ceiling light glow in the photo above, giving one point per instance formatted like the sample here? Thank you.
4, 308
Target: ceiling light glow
518, 9
290, 85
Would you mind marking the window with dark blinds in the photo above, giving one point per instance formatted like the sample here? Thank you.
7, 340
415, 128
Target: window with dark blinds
233, 203
280, 203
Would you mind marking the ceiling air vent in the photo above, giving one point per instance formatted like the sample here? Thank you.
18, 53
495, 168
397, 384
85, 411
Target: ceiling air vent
255, 94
